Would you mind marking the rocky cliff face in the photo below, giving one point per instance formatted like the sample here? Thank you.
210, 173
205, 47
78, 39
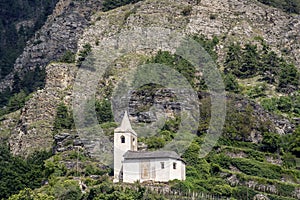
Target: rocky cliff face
33, 131
70, 27
60, 33
230, 20
244, 20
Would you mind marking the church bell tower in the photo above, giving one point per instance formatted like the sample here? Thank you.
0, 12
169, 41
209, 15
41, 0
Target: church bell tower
125, 139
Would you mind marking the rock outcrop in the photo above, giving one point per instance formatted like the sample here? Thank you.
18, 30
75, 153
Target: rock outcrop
34, 128
230, 20
60, 33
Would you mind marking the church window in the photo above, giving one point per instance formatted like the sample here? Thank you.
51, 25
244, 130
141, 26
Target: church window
162, 164
174, 165
122, 139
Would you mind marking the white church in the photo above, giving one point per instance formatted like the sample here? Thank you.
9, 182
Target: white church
131, 165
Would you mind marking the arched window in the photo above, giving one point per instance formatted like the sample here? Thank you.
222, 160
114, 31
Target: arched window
162, 164
122, 139
174, 165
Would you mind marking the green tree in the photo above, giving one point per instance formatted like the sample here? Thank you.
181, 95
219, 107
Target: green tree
231, 83
63, 119
28, 194
17, 174
112, 4
83, 53
208, 44
288, 79
68, 57
250, 61
270, 66
295, 142
233, 59
271, 142
17, 101
176, 62
155, 142
191, 155
103, 111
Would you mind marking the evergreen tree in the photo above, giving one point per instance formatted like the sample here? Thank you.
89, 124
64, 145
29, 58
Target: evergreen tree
231, 83
103, 111
63, 119
17, 101
233, 59
288, 78
250, 61
270, 66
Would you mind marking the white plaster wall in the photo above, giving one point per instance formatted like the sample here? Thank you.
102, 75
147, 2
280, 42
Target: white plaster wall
178, 172
132, 170
183, 171
120, 149
162, 175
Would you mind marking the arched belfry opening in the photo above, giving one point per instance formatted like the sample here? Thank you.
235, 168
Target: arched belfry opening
122, 139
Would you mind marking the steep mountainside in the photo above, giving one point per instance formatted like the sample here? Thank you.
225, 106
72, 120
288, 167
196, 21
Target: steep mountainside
228, 20
18, 22
59, 35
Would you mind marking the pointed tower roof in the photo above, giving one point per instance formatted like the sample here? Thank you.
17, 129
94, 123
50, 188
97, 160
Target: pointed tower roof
125, 126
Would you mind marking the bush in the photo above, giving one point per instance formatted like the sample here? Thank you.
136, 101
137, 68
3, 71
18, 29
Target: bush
244, 193
223, 190
187, 10
290, 6
271, 142
231, 83
68, 57
83, 53
17, 101
285, 189
63, 118
254, 168
289, 105
155, 142
176, 62
28, 194
103, 111
288, 79
17, 174
112, 4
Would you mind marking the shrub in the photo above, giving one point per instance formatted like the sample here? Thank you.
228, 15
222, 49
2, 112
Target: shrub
176, 62
112, 4
68, 57
285, 189
15, 172
83, 53
271, 142
187, 10
254, 168
104, 111
290, 6
231, 83
288, 79
244, 193
155, 142
63, 118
